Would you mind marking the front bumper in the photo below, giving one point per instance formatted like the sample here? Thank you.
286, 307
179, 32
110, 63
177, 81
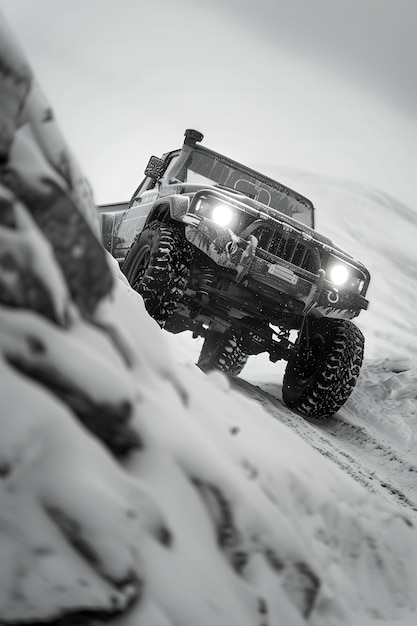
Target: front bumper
232, 252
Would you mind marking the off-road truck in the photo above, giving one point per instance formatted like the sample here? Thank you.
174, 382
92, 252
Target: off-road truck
231, 255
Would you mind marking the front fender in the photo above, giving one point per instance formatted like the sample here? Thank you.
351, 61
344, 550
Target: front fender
179, 206
169, 208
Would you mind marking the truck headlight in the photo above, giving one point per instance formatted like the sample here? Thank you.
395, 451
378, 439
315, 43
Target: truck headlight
339, 274
223, 215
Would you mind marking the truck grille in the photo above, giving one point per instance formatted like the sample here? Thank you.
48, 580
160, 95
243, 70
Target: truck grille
287, 246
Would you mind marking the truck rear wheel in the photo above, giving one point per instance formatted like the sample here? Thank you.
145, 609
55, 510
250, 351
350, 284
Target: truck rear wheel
158, 267
321, 376
222, 352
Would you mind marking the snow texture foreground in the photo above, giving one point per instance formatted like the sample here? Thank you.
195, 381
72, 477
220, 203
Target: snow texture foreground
133, 486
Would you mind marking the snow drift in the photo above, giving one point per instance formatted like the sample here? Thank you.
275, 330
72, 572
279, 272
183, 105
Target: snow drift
131, 485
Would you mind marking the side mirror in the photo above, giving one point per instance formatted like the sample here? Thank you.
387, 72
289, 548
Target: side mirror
155, 168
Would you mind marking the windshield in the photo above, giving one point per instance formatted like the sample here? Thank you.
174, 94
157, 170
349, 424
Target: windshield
205, 167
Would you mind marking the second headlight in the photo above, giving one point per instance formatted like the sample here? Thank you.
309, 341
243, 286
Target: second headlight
339, 274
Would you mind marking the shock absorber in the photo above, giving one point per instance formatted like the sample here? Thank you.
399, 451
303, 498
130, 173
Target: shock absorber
205, 278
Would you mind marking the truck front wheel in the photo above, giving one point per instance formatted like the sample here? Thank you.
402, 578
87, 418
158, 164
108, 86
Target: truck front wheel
158, 267
321, 376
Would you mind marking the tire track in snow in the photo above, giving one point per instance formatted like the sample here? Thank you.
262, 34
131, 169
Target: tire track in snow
366, 457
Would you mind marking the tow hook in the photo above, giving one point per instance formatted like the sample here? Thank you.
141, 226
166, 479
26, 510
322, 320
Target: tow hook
231, 247
333, 296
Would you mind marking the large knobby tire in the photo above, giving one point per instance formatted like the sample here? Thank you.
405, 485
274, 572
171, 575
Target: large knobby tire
158, 267
222, 352
319, 379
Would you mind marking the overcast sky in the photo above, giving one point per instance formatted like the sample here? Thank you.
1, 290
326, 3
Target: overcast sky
326, 86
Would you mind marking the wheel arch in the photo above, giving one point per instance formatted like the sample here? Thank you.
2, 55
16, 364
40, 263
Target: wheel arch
167, 211
160, 212
170, 209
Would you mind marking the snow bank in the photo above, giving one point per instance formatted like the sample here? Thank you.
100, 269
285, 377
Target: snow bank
385, 399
